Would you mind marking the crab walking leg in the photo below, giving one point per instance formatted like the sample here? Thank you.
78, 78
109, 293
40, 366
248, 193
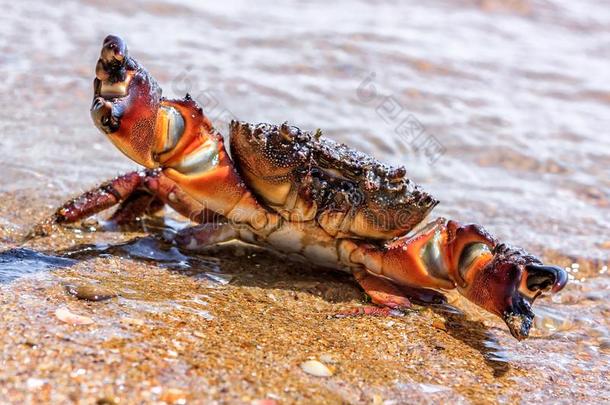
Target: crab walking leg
390, 294
203, 236
382, 291
138, 204
96, 200
147, 186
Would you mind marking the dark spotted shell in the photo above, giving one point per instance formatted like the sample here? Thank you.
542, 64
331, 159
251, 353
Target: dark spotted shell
305, 176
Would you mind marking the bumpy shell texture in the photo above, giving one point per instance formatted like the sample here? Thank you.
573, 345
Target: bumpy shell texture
308, 177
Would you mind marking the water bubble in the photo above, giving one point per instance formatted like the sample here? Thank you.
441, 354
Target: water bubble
549, 321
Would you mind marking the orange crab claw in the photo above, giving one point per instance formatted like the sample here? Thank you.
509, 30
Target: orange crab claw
125, 102
446, 254
174, 136
507, 282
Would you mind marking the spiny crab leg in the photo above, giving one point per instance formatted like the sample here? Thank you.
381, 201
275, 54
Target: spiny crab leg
120, 189
137, 205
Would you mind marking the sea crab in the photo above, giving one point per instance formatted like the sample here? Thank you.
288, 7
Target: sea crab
298, 193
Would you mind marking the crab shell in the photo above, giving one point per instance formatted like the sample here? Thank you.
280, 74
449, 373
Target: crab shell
304, 177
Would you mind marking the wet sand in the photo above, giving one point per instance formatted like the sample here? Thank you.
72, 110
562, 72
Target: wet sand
517, 95
236, 325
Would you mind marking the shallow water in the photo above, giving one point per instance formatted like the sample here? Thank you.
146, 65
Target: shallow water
15, 263
500, 109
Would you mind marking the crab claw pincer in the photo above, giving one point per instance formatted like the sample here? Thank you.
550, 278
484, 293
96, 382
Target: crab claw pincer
126, 101
103, 115
508, 285
543, 277
536, 279
111, 64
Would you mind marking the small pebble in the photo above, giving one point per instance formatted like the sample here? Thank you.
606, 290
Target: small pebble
314, 367
198, 334
90, 292
65, 315
265, 401
132, 321
438, 324
35, 383
327, 358
174, 396
106, 401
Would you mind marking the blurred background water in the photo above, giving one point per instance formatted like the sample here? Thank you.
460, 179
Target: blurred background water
515, 95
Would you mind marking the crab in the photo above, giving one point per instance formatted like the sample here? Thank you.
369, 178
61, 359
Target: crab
298, 193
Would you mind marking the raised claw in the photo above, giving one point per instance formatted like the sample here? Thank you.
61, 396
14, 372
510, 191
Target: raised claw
114, 49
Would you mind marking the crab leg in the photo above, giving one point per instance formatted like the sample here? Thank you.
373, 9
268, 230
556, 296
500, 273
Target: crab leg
203, 236
138, 204
96, 200
136, 192
382, 291
389, 296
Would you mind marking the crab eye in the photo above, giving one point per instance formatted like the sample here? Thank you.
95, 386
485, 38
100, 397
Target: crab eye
105, 120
